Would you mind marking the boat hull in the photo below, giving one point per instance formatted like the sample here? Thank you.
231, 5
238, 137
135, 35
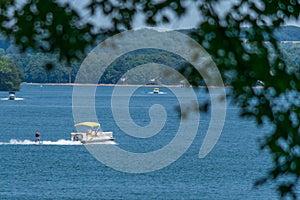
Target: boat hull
97, 141
11, 97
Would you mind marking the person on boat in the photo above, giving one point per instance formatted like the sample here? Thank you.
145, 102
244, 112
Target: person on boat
37, 136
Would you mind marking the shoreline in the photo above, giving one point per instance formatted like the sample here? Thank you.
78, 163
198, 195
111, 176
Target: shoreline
117, 85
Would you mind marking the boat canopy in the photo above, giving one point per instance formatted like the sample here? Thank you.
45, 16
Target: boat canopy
90, 124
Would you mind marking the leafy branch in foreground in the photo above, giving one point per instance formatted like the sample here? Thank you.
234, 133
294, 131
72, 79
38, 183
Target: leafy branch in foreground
255, 57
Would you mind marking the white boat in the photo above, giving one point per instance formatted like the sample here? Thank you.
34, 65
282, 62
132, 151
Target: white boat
156, 91
11, 96
92, 135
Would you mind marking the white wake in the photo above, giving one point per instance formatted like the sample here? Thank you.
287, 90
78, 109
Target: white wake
29, 142
16, 99
58, 142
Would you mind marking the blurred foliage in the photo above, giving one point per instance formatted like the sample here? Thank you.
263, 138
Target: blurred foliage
58, 27
46, 26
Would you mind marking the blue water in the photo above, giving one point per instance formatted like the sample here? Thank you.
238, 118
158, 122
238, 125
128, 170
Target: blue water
62, 171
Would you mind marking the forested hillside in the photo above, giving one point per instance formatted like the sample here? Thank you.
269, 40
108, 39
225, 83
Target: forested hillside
34, 68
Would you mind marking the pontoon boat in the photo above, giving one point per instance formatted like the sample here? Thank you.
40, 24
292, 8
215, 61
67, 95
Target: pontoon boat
92, 134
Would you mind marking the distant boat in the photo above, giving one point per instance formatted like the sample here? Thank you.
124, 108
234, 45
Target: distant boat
92, 134
156, 91
11, 96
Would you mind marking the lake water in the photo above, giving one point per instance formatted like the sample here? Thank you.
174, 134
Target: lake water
58, 170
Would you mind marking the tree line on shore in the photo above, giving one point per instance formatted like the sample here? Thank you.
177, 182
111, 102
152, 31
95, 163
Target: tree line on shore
19, 67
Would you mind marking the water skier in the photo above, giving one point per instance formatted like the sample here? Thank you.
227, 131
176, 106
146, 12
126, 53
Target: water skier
37, 136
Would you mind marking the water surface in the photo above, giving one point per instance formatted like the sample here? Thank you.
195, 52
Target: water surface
63, 171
